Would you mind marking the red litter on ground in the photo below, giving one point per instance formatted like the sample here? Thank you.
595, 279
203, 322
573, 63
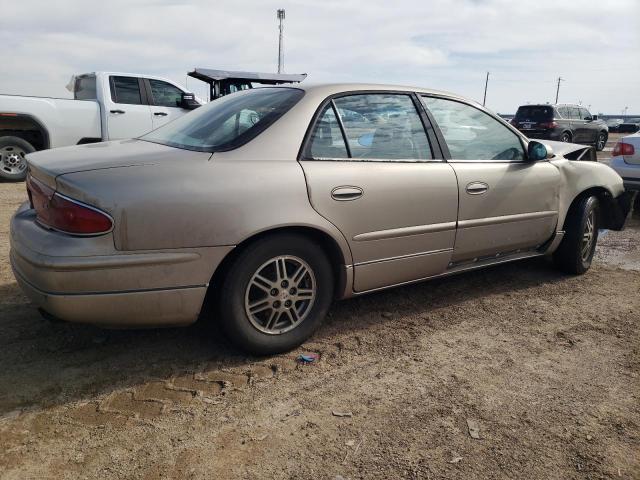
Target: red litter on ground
308, 357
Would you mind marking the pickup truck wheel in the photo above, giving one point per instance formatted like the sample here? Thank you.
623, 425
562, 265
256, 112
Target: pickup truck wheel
275, 294
601, 142
575, 253
13, 165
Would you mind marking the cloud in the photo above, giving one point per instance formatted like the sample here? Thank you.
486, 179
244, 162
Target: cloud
441, 44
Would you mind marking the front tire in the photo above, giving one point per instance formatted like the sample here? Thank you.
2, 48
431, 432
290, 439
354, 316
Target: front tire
13, 165
276, 294
575, 253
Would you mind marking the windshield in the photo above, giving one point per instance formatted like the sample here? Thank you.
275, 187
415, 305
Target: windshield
229, 122
534, 113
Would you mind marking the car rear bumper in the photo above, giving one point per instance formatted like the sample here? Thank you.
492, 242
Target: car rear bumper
86, 280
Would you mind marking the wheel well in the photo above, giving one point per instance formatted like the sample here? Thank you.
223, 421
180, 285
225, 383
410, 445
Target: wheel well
25, 127
604, 197
326, 242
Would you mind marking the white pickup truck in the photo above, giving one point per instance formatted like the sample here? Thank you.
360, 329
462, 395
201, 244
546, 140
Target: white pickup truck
105, 106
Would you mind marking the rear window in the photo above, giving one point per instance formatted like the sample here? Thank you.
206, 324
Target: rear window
228, 122
534, 113
85, 88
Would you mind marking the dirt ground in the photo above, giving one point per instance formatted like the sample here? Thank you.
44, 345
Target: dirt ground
544, 367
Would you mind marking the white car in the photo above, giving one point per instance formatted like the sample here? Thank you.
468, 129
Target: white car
105, 106
626, 160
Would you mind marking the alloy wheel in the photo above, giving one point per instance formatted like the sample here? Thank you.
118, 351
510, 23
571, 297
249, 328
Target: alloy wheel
601, 142
588, 235
280, 294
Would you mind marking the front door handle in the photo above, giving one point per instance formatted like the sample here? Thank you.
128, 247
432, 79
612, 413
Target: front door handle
346, 193
160, 114
117, 112
477, 188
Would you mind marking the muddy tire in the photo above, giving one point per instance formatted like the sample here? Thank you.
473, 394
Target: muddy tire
575, 253
276, 294
13, 165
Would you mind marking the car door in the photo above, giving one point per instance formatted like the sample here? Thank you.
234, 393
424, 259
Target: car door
590, 128
577, 125
507, 204
127, 112
165, 101
375, 172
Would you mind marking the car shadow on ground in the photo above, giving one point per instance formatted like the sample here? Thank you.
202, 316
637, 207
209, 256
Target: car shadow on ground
46, 364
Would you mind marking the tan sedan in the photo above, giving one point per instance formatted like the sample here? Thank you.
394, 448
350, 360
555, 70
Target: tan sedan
271, 203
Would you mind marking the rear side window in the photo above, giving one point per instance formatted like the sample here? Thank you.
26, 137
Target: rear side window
228, 122
377, 127
327, 140
164, 94
563, 112
126, 90
534, 113
471, 134
85, 88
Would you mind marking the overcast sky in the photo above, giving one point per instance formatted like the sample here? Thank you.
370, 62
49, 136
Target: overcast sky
450, 45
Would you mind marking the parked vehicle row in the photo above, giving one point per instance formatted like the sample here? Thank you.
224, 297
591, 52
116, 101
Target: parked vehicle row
106, 106
565, 123
631, 125
272, 202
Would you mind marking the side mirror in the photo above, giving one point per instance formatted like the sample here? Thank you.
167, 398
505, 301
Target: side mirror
594, 117
188, 101
537, 151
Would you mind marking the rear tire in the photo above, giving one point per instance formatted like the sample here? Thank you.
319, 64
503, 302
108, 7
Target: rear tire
575, 253
13, 165
565, 137
276, 294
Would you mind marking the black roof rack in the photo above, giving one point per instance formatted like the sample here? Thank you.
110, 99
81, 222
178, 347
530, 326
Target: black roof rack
223, 82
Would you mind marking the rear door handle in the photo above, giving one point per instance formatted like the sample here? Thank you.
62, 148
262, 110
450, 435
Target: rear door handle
118, 112
343, 194
477, 188
160, 114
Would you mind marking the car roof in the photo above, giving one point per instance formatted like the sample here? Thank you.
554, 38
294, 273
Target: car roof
335, 88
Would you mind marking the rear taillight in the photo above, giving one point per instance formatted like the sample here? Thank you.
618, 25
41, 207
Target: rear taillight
623, 149
547, 125
65, 214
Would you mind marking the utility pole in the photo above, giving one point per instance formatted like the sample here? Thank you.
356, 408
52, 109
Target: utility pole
280, 40
486, 82
560, 79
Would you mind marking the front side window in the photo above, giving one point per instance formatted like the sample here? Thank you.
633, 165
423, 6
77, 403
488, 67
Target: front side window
471, 134
164, 94
228, 122
126, 90
327, 140
574, 113
584, 113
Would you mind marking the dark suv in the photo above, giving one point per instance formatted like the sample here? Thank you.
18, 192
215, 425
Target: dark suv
566, 123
